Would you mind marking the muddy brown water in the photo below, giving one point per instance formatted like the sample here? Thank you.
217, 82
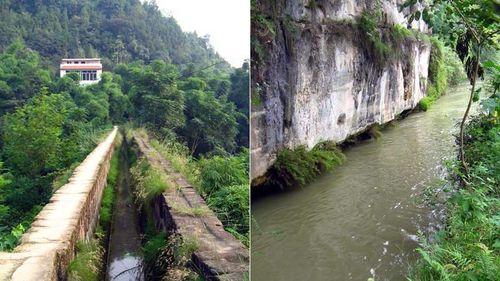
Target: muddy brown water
124, 258
361, 220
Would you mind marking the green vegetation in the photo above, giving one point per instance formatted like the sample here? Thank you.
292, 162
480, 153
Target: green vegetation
87, 264
120, 31
300, 166
50, 123
41, 137
437, 81
224, 183
221, 180
170, 258
369, 24
445, 69
469, 247
148, 182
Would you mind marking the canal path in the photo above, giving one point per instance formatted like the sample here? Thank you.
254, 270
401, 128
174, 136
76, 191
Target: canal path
124, 259
361, 220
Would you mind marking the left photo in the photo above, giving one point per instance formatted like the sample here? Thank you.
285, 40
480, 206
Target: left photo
124, 140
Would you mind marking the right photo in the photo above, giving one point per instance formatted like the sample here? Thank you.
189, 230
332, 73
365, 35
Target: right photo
375, 140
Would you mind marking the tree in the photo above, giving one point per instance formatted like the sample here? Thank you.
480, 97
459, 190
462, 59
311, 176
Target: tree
210, 123
155, 98
21, 76
32, 135
475, 26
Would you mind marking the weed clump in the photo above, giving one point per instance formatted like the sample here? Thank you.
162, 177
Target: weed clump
170, 257
149, 181
300, 166
86, 265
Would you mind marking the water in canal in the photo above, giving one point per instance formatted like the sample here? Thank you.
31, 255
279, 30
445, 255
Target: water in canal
362, 219
124, 260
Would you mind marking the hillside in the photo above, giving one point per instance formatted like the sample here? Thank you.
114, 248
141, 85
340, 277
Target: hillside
119, 31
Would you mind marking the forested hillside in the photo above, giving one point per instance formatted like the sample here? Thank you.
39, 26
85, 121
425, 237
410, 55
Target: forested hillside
155, 76
119, 31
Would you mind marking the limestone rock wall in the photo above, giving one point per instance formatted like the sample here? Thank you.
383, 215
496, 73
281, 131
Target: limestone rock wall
47, 248
318, 78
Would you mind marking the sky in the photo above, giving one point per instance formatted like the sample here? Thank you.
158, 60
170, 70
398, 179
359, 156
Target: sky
227, 22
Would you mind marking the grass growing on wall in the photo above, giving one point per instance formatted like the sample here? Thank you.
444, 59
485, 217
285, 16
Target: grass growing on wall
87, 264
170, 257
300, 166
148, 181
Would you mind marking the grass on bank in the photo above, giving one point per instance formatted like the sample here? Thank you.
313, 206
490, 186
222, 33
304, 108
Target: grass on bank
148, 182
170, 258
469, 246
87, 264
221, 180
301, 166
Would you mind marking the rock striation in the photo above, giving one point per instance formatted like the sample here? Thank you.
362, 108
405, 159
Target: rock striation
316, 76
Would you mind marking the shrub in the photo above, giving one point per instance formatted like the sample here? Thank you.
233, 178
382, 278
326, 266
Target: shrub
170, 257
231, 204
300, 166
224, 183
454, 67
180, 158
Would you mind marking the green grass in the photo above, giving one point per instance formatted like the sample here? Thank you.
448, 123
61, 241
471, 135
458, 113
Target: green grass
469, 247
224, 184
86, 266
170, 257
149, 181
180, 158
300, 166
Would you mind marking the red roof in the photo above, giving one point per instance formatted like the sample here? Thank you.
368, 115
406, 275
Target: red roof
80, 67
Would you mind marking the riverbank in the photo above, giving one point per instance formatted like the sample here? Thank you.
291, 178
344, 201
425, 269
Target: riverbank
469, 246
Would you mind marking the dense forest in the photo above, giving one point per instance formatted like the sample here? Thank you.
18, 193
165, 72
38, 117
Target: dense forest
155, 76
119, 31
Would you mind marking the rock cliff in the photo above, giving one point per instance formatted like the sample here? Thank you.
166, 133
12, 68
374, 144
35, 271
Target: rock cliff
328, 69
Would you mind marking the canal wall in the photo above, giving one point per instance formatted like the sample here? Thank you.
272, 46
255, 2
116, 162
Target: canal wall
219, 255
320, 76
48, 247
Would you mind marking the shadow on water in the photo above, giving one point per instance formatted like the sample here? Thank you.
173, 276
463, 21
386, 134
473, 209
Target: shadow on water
124, 258
361, 220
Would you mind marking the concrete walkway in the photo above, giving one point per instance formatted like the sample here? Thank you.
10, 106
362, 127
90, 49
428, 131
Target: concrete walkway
47, 248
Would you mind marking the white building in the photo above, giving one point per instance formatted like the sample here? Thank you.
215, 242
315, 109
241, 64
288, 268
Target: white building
90, 70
